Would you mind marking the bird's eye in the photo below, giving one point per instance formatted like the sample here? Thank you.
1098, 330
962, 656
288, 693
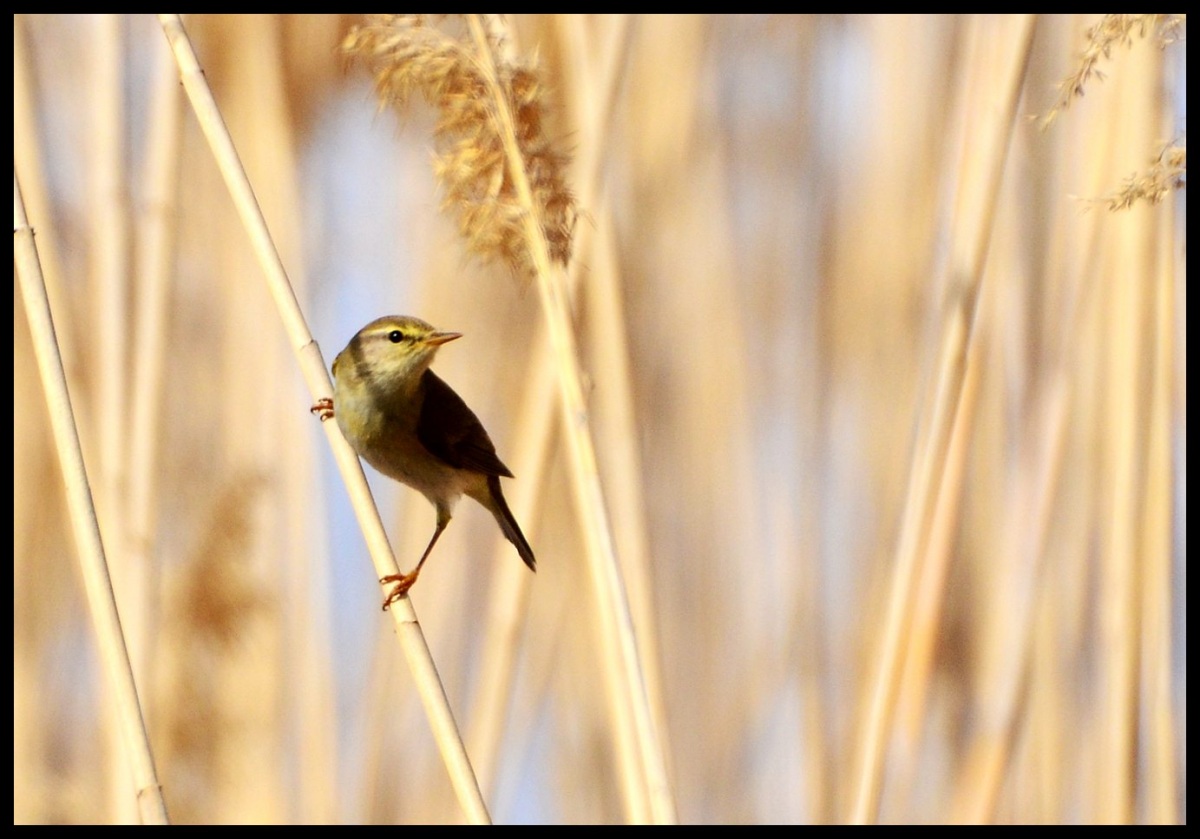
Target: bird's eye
396, 336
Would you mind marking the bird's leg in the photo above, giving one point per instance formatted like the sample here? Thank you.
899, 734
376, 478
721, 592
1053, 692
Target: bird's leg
323, 409
405, 581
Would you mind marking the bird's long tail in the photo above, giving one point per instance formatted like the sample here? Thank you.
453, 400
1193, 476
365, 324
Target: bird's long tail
508, 523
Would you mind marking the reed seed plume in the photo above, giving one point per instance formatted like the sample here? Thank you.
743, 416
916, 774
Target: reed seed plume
1167, 174
1169, 171
408, 55
1111, 31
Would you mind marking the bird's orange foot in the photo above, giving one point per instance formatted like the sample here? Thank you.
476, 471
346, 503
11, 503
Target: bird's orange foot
403, 583
323, 409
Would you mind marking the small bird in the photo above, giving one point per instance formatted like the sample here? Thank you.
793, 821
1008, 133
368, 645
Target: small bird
407, 423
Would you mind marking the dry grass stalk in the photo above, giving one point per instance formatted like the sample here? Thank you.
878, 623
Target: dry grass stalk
503, 180
971, 235
316, 373
150, 804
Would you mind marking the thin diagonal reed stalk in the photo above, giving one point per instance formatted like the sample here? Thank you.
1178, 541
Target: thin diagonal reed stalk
502, 178
412, 640
926, 480
150, 804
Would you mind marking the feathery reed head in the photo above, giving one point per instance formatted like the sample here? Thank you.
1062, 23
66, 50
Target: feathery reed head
407, 56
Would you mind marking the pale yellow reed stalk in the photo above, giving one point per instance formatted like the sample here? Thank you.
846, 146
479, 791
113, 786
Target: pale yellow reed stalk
973, 226
316, 373
589, 496
504, 181
148, 794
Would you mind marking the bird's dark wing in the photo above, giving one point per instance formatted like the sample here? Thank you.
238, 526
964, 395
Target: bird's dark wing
449, 429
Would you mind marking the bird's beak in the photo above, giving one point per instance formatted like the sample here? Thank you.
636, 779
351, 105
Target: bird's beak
436, 339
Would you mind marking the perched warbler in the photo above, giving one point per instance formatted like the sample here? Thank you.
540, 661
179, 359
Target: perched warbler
407, 423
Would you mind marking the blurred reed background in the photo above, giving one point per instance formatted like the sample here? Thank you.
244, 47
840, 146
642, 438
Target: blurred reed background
800, 240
